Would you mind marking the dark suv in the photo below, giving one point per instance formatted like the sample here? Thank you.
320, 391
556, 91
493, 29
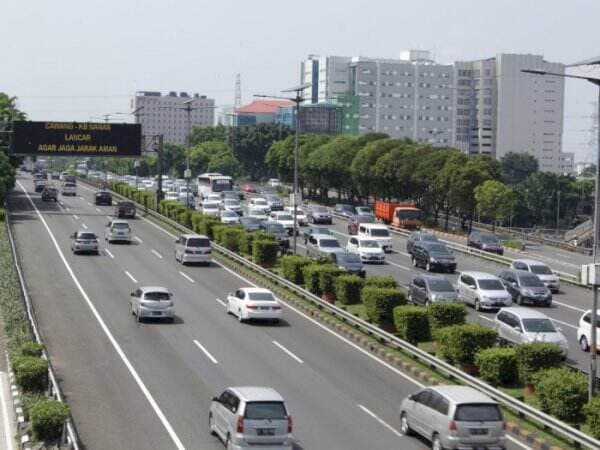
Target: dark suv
125, 209
103, 198
419, 236
49, 194
485, 241
433, 255
526, 287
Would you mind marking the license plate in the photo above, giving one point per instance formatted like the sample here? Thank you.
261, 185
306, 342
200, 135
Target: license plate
156, 313
478, 431
265, 308
265, 431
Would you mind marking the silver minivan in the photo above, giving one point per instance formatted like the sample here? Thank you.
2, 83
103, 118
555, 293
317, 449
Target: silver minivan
193, 248
251, 418
454, 417
482, 290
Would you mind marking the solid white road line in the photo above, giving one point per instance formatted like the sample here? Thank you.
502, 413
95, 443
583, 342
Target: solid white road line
485, 318
109, 218
564, 323
98, 209
178, 444
85, 227
381, 421
109, 253
159, 228
574, 308
206, 352
222, 303
75, 216
89, 204
290, 354
131, 277
405, 254
186, 276
158, 255
398, 265
6, 423
137, 238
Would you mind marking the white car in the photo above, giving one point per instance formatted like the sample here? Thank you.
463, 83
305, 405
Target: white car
285, 219
584, 331
230, 204
213, 198
274, 182
300, 215
152, 302
377, 231
229, 217
172, 195
210, 208
257, 213
69, 189
117, 230
259, 202
369, 250
542, 270
253, 303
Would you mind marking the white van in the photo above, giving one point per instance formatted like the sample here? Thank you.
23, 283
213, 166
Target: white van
378, 232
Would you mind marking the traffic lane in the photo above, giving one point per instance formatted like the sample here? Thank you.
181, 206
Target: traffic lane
250, 351
105, 401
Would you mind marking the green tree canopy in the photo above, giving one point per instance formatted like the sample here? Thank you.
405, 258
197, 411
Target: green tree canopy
495, 200
516, 167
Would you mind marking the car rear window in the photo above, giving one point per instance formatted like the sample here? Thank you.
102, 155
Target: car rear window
379, 232
329, 243
490, 285
88, 236
264, 296
198, 242
478, 412
126, 205
265, 411
157, 296
121, 225
541, 270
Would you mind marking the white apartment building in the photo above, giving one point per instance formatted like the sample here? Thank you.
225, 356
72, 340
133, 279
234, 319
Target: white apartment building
168, 115
500, 109
407, 97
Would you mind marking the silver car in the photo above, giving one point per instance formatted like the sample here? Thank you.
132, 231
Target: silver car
482, 290
193, 248
117, 230
457, 417
152, 302
251, 418
84, 242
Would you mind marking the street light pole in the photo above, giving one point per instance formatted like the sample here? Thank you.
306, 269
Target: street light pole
594, 319
557, 212
188, 173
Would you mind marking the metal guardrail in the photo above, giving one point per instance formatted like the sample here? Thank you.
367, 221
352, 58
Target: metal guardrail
69, 434
506, 400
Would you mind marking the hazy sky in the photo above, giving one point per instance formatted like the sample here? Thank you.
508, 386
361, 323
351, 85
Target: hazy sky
72, 60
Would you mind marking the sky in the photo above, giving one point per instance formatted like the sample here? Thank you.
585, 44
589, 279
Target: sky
77, 60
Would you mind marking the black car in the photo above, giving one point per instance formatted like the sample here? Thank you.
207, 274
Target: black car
526, 287
49, 194
319, 214
419, 236
250, 223
433, 255
350, 262
277, 230
103, 198
344, 209
485, 241
355, 220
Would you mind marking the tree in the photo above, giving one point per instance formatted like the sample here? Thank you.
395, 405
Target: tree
198, 135
363, 164
516, 167
8, 113
495, 200
7, 176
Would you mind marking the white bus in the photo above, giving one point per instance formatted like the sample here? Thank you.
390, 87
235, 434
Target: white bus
213, 183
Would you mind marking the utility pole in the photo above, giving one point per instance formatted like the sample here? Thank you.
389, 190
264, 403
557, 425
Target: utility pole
557, 212
158, 147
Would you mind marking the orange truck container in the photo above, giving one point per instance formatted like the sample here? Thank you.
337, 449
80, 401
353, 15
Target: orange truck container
402, 215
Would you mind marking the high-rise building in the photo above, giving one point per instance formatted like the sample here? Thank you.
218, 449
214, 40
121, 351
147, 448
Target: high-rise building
407, 97
167, 115
500, 109
321, 118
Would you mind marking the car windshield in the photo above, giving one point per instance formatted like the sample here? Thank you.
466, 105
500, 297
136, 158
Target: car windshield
379, 232
262, 296
364, 210
320, 209
257, 212
232, 202
274, 228
228, 214
429, 238
284, 217
489, 239
348, 258
121, 225
441, 285
365, 219
539, 326
408, 214
197, 242
531, 282
157, 296
86, 236
210, 206
320, 231
265, 411
478, 412
490, 285
260, 202
438, 248
250, 221
329, 243
541, 270
369, 244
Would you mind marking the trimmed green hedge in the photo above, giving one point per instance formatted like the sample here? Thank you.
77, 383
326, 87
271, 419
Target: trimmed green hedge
443, 315
247, 238
2, 214
31, 348
562, 392
498, 366
31, 373
380, 303
412, 323
230, 238
312, 276
291, 267
185, 217
47, 419
532, 358
348, 288
264, 252
327, 276
381, 281
460, 343
217, 230
592, 417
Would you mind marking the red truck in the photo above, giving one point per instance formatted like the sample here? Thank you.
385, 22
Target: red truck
402, 215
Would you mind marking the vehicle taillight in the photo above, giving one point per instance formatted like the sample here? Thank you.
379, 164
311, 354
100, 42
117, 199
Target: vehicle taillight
290, 424
452, 426
240, 424
207, 252
276, 307
251, 306
189, 252
504, 425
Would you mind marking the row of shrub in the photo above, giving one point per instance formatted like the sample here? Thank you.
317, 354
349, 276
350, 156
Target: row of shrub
31, 370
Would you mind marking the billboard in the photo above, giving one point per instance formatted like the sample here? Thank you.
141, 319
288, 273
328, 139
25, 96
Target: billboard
76, 139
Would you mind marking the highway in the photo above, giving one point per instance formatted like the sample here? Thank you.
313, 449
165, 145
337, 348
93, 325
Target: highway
148, 386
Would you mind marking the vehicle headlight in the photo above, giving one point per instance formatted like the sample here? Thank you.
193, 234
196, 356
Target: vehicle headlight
528, 292
432, 260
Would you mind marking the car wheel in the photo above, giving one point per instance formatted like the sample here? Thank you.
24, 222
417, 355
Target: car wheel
477, 305
583, 344
414, 261
138, 317
410, 298
211, 425
428, 267
240, 317
436, 443
228, 444
548, 304
427, 302
404, 427
519, 300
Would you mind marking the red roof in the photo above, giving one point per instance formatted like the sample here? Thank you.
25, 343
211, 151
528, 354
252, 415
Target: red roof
264, 106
